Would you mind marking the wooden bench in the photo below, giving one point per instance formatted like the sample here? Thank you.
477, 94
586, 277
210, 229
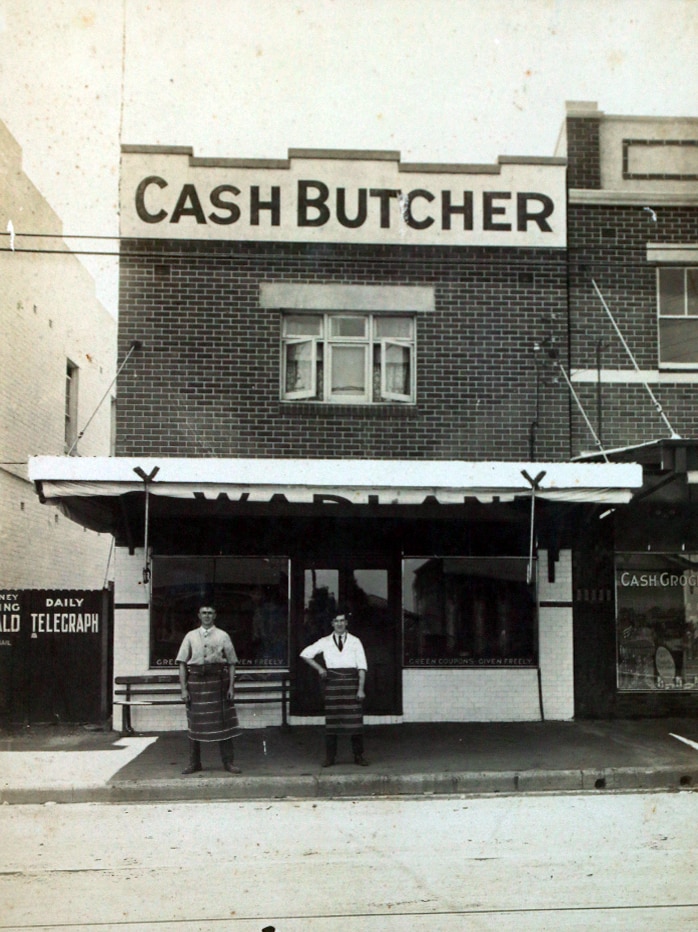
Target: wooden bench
162, 688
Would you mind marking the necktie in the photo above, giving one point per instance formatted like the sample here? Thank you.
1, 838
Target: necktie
339, 641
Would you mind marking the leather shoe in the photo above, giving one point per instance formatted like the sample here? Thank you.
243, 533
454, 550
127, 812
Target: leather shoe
361, 761
230, 767
192, 768
328, 762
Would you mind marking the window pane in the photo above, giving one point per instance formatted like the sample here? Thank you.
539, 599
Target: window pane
461, 611
397, 369
400, 327
250, 595
348, 326
321, 588
671, 293
299, 367
302, 325
348, 375
655, 616
678, 341
692, 292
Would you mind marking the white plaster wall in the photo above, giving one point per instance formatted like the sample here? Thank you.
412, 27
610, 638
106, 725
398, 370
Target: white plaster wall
49, 314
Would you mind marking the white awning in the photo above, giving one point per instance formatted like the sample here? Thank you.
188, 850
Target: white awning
323, 481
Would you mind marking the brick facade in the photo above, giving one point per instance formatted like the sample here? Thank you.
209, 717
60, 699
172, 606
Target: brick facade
609, 245
215, 375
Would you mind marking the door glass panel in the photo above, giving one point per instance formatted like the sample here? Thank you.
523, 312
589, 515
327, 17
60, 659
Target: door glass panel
319, 603
367, 595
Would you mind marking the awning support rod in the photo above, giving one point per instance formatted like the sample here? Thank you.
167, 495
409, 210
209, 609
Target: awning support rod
534, 483
146, 477
660, 410
136, 344
583, 412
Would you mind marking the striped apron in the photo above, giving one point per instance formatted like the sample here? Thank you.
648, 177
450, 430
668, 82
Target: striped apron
343, 711
211, 716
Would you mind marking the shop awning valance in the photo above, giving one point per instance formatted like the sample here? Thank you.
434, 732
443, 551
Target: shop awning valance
329, 481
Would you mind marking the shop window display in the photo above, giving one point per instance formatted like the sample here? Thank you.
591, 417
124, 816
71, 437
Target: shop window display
249, 593
468, 612
657, 621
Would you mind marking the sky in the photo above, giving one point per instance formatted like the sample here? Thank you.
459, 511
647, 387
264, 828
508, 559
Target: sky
437, 80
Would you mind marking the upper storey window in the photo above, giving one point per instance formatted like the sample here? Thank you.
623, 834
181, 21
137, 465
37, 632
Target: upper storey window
678, 316
349, 358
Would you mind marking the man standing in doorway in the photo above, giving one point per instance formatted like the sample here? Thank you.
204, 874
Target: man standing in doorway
344, 677
207, 662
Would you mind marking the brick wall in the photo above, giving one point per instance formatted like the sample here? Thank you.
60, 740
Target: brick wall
583, 152
608, 244
206, 382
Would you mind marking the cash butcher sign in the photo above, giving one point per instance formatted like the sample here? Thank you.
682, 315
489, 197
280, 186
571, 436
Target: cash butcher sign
341, 197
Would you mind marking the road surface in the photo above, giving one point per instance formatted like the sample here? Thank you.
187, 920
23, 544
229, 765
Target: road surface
558, 862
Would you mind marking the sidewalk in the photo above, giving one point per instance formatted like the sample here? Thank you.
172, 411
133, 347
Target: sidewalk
42, 764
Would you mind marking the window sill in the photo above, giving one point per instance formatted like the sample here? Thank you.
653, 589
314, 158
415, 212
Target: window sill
319, 409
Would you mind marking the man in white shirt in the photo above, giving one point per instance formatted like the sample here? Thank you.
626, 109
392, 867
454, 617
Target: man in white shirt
344, 678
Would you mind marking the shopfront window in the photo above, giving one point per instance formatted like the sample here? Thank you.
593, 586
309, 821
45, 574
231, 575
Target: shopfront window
657, 621
250, 595
468, 612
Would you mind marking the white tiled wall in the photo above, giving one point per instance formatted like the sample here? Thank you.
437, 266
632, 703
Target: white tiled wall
487, 695
473, 695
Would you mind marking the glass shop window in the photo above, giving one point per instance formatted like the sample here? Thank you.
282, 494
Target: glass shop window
468, 612
250, 594
657, 622
677, 290
345, 358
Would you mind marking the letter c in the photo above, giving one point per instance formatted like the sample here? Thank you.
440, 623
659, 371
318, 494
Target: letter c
409, 216
140, 200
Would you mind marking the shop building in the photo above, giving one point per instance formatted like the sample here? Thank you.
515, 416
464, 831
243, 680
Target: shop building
353, 386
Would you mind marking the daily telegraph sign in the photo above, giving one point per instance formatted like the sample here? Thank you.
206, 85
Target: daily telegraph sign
341, 197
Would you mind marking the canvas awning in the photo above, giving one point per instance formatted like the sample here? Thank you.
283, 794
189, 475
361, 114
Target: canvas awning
325, 481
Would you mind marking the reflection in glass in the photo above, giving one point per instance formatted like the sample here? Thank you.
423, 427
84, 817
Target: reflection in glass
299, 367
466, 611
250, 595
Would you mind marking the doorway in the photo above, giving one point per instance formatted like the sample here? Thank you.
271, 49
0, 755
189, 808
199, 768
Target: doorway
368, 590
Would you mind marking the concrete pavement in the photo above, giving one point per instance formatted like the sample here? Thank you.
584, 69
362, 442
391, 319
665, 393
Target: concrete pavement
42, 764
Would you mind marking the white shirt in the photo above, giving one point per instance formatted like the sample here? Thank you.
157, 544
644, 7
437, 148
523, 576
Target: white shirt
351, 656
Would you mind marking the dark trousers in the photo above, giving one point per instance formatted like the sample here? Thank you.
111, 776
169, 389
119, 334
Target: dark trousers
226, 748
357, 746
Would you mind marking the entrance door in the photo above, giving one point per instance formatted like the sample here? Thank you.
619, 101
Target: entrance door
369, 591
